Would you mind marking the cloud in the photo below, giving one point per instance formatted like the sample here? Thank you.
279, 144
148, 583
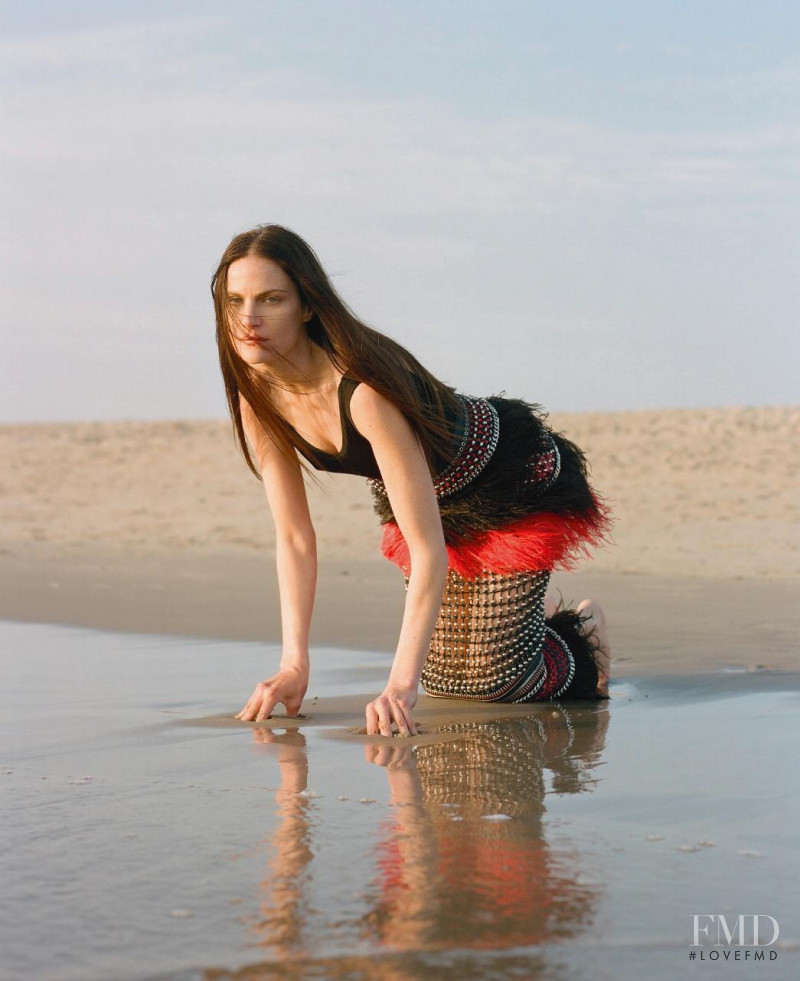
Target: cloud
404, 157
696, 171
123, 47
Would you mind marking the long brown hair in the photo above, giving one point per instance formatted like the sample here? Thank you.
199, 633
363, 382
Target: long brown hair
354, 349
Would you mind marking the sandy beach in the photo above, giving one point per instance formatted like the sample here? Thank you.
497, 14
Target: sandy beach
152, 836
159, 527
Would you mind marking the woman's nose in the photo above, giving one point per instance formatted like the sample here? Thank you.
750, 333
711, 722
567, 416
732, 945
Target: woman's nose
250, 315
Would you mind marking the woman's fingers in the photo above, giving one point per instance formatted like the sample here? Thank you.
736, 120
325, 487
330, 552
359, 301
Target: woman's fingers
385, 719
374, 722
385, 710
411, 728
401, 713
268, 697
263, 697
400, 718
245, 715
373, 725
250, 710
292, 706
267, 705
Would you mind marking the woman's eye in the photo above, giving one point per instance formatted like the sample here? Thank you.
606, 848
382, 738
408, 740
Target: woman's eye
235, 301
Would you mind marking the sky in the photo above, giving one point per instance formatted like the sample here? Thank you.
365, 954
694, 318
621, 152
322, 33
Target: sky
593, 204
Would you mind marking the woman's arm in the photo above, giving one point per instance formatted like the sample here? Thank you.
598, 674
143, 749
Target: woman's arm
409, 486
296, 559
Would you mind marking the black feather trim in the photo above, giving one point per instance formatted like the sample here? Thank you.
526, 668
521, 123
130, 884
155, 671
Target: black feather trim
566, 623
503, 492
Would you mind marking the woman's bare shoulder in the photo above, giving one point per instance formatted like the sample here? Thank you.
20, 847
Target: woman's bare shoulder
265, 450
369, 408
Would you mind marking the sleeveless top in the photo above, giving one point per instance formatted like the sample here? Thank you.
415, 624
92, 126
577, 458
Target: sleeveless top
476, 431
356, 454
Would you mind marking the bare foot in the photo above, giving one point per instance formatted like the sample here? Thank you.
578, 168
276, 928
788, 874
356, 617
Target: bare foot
594, 623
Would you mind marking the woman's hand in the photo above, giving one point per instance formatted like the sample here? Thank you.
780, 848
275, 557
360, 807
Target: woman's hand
394, 705
288, 687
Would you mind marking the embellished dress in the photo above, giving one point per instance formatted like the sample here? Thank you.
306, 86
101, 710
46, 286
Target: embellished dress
515, 504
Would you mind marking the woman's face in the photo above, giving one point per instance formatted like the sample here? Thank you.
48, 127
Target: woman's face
267, 317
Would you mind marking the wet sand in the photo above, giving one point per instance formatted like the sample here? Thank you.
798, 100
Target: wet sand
659, 624
148, 835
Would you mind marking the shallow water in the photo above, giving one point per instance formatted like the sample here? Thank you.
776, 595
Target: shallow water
143, 839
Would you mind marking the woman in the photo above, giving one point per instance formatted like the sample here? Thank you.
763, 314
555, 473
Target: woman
479, 500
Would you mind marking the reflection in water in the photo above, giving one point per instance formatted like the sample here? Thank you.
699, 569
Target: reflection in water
285, 906
462, 860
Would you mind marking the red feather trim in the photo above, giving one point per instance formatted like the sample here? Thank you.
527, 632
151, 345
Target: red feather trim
539, 541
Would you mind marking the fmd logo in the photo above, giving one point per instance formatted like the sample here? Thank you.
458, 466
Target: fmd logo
748, 930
